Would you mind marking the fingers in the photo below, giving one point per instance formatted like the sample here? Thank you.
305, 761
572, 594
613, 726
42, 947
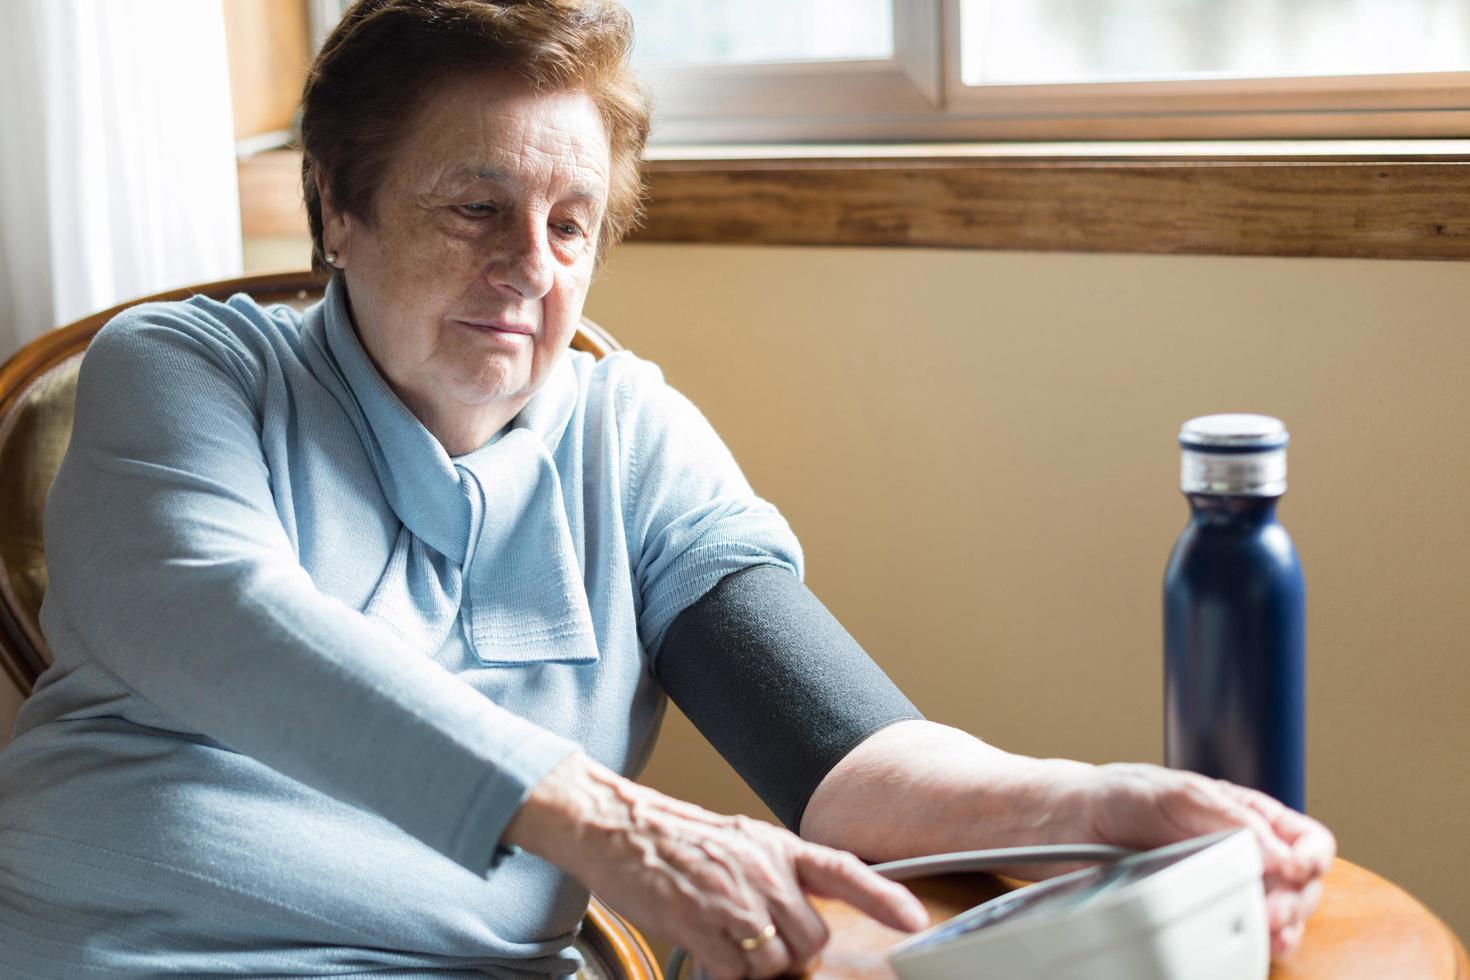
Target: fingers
1299, 903
774, 885
1200, 805
1311, 897
799, 932
1287, 940
756, 920
799, 926
763, 950
750, 948
1293, 881
838, 874
721, 955
1312, 846
1287, 910
1146, 806
717, 957
730, 890
1142, 805
1286, 904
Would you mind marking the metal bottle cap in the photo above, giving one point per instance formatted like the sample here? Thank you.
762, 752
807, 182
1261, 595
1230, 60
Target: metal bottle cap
1243, 455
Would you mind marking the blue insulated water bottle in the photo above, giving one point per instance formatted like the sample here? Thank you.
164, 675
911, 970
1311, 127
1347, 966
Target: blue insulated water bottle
1234, 614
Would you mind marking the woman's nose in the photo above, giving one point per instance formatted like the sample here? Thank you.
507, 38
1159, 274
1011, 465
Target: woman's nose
524, 263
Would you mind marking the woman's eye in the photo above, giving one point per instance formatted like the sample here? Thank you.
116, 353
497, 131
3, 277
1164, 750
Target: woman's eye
480, 209
567, 229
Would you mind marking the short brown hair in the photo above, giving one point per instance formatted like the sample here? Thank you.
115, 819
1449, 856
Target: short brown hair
385, 57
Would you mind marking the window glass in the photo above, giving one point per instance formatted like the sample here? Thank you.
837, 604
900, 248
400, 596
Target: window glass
717, 32
1039, 41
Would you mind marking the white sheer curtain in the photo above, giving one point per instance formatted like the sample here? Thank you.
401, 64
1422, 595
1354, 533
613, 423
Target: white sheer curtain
117, 167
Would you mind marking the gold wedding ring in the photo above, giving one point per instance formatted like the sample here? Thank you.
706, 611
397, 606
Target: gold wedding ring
759, 939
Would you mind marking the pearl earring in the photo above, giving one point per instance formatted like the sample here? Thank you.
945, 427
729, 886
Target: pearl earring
332, 259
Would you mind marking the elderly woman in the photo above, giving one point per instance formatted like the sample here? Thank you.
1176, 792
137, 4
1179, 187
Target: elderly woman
363, 618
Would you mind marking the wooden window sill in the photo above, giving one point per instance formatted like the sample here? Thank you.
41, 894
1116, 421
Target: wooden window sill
1362, 199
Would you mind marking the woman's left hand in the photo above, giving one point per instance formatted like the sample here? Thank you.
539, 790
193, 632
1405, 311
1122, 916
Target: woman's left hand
942, 789
1144, 806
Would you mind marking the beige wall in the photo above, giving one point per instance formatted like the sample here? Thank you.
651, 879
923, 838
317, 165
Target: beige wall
977, 451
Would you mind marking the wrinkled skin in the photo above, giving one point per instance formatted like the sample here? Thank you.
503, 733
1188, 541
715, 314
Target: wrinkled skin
704, 881
698, 879
465, 287
1142, 806
487, 218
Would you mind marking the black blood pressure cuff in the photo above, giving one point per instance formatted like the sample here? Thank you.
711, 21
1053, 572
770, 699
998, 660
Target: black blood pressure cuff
775, 683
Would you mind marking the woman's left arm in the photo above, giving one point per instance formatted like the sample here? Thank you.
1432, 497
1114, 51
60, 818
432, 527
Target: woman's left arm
912, 787
917, 787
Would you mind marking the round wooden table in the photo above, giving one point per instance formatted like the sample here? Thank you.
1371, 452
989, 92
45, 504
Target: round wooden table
1365, 928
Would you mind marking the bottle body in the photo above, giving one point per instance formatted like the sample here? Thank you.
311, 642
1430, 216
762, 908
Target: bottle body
1235, 648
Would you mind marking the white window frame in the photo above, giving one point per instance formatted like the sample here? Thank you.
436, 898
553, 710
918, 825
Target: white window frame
918, 94
720, 102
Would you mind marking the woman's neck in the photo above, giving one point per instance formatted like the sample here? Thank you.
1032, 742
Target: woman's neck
462, 428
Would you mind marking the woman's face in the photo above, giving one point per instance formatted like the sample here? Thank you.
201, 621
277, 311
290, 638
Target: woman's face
470, 282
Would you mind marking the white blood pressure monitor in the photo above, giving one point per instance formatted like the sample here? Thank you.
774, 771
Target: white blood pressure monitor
1191, 911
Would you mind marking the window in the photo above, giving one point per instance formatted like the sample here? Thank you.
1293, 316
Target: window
677, 32
1040, 41
876, 70
919, 71
723, 69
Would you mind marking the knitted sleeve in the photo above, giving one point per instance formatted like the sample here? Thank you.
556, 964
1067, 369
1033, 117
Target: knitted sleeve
170, 567
690, 516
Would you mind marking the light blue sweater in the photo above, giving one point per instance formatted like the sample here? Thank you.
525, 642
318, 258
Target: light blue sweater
308, 665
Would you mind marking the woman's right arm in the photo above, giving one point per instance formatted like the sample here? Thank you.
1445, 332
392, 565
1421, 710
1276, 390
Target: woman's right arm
699, 879
170, 567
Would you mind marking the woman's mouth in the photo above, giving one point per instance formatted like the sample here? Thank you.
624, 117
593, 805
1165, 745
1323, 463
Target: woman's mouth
501, 328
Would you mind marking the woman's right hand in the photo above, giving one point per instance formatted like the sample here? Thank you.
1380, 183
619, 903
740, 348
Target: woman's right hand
700, 880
